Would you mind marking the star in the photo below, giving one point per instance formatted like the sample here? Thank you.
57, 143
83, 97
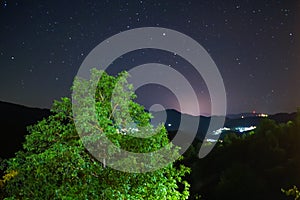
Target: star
238, 36
251, 75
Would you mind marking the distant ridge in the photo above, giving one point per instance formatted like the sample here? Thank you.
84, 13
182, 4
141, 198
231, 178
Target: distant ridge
172, 120
15, 118
13, 122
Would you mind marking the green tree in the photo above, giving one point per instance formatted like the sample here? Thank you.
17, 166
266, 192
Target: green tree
292, 192
254, 166
54, 163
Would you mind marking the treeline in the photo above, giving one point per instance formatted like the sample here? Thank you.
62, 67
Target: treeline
257, 165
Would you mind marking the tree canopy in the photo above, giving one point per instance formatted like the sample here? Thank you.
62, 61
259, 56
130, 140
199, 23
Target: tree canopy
251, 166
55, 164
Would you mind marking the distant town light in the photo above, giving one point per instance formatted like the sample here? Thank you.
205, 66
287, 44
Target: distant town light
239, 129
262, 115
211, 140
220, 130
243, 129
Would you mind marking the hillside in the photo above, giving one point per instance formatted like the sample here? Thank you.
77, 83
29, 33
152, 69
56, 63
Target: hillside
15, 118
13, 121
173, 118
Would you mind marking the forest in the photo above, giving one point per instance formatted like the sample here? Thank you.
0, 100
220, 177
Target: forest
263, 164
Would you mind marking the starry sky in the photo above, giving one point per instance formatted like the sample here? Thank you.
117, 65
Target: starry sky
255, 45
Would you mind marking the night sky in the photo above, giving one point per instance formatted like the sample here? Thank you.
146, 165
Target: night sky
255, 45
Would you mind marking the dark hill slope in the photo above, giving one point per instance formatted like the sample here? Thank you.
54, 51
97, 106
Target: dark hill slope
13, 122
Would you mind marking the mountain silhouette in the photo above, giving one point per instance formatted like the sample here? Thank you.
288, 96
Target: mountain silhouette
13, 121
172, 119
15, 118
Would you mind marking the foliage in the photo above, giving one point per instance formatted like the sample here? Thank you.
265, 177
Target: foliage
292, 192
55, 164
255, 166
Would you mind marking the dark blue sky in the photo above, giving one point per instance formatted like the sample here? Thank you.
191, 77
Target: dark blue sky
255, 45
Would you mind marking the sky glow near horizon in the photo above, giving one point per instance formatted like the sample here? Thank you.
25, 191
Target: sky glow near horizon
255, 45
